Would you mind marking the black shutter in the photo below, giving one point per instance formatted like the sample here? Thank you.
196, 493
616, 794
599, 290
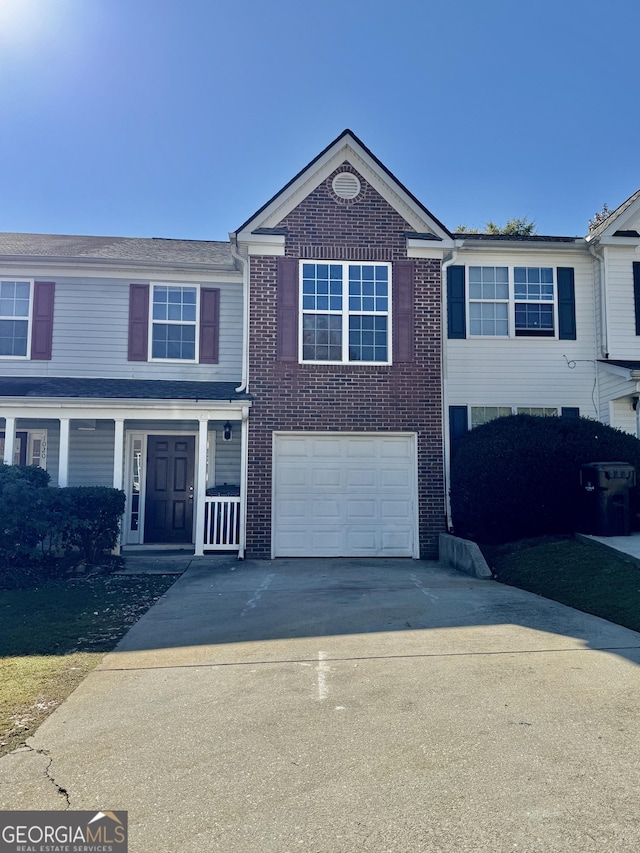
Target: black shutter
458, 424
566, 304
456, 308
570, 412
636, 293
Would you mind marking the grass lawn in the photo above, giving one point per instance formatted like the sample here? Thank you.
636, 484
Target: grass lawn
588, 577
52, 636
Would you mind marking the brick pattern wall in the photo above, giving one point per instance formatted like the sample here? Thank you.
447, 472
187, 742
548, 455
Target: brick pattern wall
399, 397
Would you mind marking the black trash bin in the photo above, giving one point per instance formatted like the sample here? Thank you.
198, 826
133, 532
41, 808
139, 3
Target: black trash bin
605, 491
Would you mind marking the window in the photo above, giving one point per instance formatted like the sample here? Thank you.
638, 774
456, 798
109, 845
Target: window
174, 321
483, 414
346, 312
30, 448
15, 310
525, 308
489, 300
534, 301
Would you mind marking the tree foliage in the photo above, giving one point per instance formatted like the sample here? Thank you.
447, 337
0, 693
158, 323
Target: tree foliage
519, 476
517, 227
599, 217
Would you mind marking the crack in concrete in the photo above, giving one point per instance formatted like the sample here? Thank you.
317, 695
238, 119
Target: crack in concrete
47, 772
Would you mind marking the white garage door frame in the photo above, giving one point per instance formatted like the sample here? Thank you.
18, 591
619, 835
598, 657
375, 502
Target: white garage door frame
411, 438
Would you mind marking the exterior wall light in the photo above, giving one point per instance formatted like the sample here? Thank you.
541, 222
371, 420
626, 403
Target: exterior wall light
227, 431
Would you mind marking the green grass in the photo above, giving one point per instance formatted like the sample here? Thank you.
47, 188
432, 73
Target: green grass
588, 577
52, 636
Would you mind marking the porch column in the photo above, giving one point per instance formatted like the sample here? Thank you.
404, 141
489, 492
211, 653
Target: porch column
244, 477
63, 463
9, 440
118, 453
201, 479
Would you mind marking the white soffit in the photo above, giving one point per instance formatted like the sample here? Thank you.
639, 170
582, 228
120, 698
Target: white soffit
346, 149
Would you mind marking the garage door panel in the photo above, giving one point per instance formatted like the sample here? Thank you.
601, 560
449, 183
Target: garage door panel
395, 477
363, 477
326, 477
344, 495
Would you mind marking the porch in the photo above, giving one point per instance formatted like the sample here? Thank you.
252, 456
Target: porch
181, 463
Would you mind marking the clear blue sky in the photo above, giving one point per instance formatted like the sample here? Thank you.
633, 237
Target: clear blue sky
180, 118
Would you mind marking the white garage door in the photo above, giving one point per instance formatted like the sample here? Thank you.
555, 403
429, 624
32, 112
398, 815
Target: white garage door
344, 495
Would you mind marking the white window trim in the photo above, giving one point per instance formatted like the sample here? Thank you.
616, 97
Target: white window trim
196, 323
29, 318
345, 313
512, 301
513, 410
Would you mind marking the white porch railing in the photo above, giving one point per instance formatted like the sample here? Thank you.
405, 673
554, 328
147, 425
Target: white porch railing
221, 523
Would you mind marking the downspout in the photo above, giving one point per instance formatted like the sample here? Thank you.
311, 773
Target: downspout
604, 321
244, 382
244, 386
445, 391
604, 351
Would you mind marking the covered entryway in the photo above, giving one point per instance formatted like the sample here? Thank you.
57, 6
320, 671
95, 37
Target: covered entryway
345, 495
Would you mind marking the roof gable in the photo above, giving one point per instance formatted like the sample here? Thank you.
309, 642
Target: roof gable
625, 219
347, 148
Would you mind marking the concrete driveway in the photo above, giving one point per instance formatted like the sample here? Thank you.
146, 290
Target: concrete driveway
342, 706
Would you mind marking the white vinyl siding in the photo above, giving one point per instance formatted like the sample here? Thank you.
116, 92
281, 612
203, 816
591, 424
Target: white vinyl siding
623, 342
528, 372
91, 328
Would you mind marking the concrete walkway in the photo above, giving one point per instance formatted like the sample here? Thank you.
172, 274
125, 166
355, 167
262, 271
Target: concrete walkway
342, 706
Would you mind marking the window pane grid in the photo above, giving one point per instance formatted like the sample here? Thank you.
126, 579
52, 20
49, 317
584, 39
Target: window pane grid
345, 309
175, 336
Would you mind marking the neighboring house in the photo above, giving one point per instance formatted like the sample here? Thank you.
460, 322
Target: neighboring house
295, 391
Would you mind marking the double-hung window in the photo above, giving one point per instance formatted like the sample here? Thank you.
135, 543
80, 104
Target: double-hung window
346, 312
534, 295
512, 301
15, 311
174, 313
489, 301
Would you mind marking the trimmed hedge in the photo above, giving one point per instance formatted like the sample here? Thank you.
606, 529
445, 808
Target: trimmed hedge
38, 521
519, 476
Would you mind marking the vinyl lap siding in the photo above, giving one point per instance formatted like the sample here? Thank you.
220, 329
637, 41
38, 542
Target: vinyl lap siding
528, 371
623, 343
91, 455
90, 335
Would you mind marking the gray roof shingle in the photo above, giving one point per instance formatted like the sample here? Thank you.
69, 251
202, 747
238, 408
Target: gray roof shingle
122, 389
135, 249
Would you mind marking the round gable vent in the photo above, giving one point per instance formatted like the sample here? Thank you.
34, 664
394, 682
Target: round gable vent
346, 185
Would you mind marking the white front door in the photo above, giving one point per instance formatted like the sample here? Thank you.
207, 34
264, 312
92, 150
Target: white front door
345, 495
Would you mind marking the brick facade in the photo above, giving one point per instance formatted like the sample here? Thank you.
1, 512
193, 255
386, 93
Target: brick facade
357, 398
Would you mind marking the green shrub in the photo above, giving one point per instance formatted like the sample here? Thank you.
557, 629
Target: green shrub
92, 519
39, 522
519, 476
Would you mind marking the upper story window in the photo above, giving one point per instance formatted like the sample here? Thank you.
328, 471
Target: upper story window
346, 312
534, 295
519, 301
15, 313
174, 322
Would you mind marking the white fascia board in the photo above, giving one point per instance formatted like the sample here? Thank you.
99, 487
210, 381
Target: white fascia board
47, 268
347, 149
619, 241
625, 372
261, 244
498, 247
110, 409
430, 251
